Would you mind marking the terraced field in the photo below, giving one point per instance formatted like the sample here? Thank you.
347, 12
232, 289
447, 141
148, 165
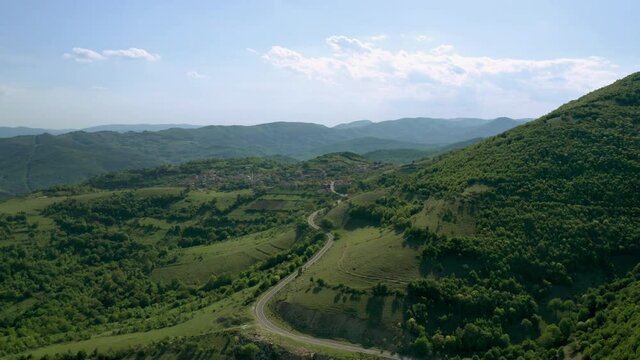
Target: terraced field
196, 264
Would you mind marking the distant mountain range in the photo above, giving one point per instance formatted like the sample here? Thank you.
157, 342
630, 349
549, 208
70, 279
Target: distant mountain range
6, 131
38, 161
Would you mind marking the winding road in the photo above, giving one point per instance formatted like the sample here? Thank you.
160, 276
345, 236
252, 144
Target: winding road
332, 188
271, 326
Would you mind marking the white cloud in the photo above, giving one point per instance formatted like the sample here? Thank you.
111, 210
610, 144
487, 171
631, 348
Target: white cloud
378, 37
423, 73
253, 51
83, 55
131, 53
87, 55
341, 43
314, 68
196, 75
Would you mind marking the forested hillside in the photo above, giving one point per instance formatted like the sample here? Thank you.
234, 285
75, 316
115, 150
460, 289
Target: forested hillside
36, 162
521, 236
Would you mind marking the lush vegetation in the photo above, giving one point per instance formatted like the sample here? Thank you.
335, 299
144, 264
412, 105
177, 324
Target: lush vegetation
554, 205
92, 272
119, 254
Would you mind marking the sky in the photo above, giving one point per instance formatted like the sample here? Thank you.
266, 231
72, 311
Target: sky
74, 64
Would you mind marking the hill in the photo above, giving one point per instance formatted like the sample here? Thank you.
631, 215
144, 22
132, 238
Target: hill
354, 124
7, 132
407, 155
552, 203
139, 127
435, 131
40, 161
522, 245
362, 145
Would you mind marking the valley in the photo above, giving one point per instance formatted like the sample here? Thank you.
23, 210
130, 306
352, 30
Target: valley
521, 245
319, 180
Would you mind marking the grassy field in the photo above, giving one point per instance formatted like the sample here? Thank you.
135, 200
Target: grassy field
32, 204
446, 217
223, 199
362, 257
226, 314
196, 264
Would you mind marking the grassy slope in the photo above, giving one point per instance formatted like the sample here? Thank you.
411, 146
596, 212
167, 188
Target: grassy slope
197, 263
360, 259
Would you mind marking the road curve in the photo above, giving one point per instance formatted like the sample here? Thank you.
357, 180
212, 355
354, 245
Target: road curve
269, 325
332, 188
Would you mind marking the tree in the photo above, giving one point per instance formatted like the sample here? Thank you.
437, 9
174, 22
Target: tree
302, 228
326, 224
380, 290
527, 325
555, 305
247, 351
551, 336
566, 326
422, 347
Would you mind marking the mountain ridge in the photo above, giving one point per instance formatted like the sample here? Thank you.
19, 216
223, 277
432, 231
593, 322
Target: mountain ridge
75, 156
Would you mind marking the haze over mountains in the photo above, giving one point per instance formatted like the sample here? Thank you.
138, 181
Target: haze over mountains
38, 161
7, 131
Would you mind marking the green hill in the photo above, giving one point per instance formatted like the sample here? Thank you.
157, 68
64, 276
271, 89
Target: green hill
399, 155
40, 161
363, 145
553, 203
6, 131
523, 243
434, 131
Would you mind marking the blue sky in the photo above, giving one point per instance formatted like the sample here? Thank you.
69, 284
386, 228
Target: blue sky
80, 63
